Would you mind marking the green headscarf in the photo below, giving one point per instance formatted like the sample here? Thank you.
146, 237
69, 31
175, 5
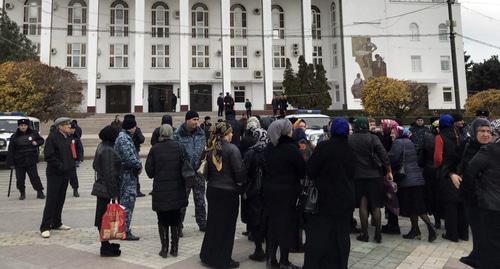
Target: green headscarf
361, 125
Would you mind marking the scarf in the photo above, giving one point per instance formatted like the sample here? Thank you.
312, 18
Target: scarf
261, 139
217, 132
277, 129
495, 129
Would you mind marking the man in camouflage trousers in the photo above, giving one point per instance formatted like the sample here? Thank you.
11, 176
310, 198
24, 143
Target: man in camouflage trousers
193, 138
131, 165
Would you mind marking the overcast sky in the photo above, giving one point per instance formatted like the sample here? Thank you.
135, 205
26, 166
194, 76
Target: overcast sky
481, 28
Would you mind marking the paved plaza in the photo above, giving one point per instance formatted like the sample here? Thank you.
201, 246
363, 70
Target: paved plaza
21, 246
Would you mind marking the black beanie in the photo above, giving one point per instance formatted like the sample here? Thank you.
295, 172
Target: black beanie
457, 117
23, 121
129, 116
128, 123
192, 114
482, 113
109, 134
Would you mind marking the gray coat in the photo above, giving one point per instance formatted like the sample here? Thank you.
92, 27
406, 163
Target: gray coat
370, 154
414, 175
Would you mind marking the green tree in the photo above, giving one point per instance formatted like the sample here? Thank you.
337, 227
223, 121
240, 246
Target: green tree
15, 46
38, 89
484, 76
290, 82
321, 97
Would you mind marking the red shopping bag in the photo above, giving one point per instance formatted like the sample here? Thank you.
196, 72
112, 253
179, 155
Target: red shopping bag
113, 223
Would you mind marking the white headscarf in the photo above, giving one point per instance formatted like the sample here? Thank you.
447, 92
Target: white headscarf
277, 129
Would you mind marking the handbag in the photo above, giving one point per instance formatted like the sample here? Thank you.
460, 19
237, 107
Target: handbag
401, 173
187, 171
99, 189
113, 223
392, 203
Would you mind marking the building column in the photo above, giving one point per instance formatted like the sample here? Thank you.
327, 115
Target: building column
307, 46
93, 36
46, 32
267, 45
184, 50
226, 45
140, 29
2, 3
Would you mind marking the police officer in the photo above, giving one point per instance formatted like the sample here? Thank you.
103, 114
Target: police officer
77, 154
60, 163
23, 155
138, 139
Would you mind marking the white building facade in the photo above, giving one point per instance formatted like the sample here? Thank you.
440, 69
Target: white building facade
133, 55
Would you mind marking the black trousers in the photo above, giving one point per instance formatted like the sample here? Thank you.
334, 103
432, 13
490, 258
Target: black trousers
32, 174
328, 243
455, 221
249, 113
54, 202
489, 245
472, 214
220, 113
138, 186
73, 179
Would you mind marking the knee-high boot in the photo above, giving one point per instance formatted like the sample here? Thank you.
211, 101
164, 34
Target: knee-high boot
163, 231
174, 248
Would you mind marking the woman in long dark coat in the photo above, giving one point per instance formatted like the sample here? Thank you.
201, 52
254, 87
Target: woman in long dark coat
284, 167
226, 174
107, 165
331, 166
164, 165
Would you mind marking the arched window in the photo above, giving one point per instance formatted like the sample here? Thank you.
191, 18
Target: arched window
278, 22
414, 32
119, 18
160, 20
77, 18
333, 11
316, 22
443, 32
238, 21
32, 17
199, 21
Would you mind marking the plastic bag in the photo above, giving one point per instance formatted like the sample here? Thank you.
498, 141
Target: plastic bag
113, 223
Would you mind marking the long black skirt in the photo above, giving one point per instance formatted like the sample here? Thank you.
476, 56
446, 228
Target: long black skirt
169, 218
100, 209
489, 245
217, 247
372, 189
412, 201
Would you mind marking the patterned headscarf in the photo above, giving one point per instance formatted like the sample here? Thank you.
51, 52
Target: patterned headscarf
214, 146
261, 138
495, 129
277, 129
388, 125
403, 132
253, 123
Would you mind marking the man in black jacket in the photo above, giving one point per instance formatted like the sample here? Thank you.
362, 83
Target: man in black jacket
23, 155
77, 147
138, 139
248, 107
220, 104
60, 163
166, 119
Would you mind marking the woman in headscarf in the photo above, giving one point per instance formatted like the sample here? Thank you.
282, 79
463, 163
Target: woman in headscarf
107, 166
164, 166
495, 130
226, 174
480, 136
252, 201
331, 166
411, 184
284, 167
371, 167
305, 146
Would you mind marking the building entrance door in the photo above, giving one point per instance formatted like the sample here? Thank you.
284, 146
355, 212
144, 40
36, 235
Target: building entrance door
201, 97
118, 99
160, 98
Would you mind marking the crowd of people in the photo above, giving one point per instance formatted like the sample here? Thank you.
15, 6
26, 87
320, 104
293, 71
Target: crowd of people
269, 168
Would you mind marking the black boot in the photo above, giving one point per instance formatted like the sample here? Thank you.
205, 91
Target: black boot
22, 196
130, 237
75, 193
40, 195
413, 234
432, 233
163, 231
174, 248
109, 251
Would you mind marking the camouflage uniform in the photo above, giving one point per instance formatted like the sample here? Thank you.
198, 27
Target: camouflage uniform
194, 142
131, 163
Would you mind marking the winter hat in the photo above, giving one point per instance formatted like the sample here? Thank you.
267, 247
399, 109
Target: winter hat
457, 117
299, 134
128, 123
446, 121
388, 125
131, 116
61, 120
191, 114
277, 129
166, 119
495, 128
482, 113
476, 124
166, 132
109, 134
23, 121
340, 127
361, 124
73, 125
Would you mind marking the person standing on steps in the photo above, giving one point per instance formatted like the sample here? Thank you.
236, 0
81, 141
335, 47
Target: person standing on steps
138, 139
192, 137
220, 105
164, 165
132, 166
22, 156
174, 102
248, 107
77, 154
60, 163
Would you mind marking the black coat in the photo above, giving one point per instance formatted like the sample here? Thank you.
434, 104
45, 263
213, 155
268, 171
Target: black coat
371, 155
451, 158
78, 146
107, 165
332, 166
21, 151
252, 202
57, 153
138, 138
233, 173
220, 101
238, 131
284, 168
484, 170
468, 150
426, 158
164, 165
